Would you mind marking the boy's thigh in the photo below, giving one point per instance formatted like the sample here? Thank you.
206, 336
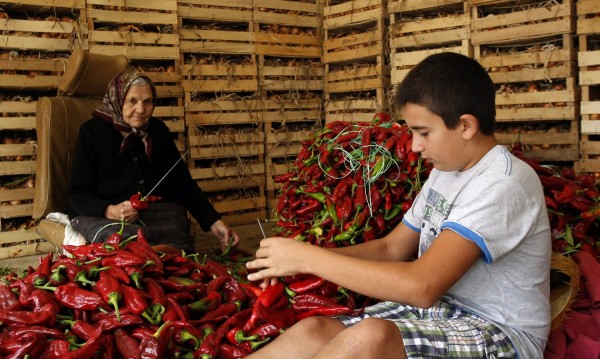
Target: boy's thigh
442, 331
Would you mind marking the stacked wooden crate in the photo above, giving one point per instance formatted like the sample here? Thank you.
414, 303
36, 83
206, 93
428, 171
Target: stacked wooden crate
288, 49
588, 31
419, 28
528, 49
355, 57
220, 83
36, 41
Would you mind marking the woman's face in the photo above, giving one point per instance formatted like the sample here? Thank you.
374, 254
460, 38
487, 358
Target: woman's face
138, 106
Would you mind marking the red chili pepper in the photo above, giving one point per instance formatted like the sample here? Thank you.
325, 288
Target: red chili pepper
71, 296
566, 195
306, 285
328, 311
181, 284
349, 136
230, 351
110, 290
308, 301
115, 238
311, 206
153, 347
25, 317
550, 202
210, 302
12, 332
24, 345
8, 299
127, 346
109, 321
156, 291
134, 299
581, 203
123, 258
267, 330
140, 203
223, 311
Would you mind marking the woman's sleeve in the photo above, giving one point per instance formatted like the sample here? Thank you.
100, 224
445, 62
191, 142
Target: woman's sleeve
83, 178
187, 190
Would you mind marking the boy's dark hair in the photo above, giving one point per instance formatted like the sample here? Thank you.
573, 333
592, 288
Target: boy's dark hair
451, 85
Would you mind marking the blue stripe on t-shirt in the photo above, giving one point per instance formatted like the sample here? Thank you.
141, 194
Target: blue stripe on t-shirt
470, 235
416, 229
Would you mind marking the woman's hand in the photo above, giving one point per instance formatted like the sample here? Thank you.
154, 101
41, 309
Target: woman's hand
278, 257
224, 234
123, 211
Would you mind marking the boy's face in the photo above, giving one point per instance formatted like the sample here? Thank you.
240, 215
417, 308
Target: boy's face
442, 147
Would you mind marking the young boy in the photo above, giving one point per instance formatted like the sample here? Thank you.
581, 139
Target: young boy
480, 285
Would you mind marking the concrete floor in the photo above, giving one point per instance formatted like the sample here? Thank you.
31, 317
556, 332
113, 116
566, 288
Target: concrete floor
250, 236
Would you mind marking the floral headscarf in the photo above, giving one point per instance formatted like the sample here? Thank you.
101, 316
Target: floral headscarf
111, 109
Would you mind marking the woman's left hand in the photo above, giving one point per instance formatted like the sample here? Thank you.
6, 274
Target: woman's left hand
226, 236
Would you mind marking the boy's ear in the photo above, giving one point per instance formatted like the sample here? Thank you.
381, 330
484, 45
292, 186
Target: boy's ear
470, 126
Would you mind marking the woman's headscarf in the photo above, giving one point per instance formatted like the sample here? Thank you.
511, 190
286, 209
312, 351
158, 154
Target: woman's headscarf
111, 109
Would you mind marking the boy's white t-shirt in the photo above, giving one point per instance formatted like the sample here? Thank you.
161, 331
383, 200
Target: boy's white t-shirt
498, 204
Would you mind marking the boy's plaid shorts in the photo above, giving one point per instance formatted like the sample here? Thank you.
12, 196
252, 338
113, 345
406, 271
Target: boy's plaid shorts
442, 331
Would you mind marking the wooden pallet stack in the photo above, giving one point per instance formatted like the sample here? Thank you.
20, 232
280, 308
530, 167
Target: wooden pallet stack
355, 55
419, 28
288, 49
36, 41
527, 48
220, 83
588, 31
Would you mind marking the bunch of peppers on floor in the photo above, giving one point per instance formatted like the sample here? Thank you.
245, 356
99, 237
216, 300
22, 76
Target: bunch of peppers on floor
121, 298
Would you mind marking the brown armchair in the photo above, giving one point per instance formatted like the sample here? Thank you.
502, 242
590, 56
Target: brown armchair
58, 119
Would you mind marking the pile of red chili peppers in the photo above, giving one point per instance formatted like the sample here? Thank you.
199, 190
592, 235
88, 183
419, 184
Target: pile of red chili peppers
573, 203
351, 182
123, 299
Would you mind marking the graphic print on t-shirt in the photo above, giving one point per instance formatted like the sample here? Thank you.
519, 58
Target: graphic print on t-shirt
436, 211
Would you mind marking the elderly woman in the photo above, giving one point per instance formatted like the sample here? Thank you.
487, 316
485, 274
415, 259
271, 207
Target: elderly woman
121, 151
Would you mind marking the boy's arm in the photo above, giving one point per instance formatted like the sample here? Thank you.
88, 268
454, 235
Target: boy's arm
420, 282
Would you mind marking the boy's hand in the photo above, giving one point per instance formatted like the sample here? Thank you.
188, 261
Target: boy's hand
278, 257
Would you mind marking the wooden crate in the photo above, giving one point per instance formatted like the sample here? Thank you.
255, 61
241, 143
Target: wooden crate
306, 44
288, 13
411, 6
23, 242
502, 21
535, 82
215, 10
403, 61
139, 29
17, 113
358, 108
228, 109
366, 44
290, 75
25, 71
553, 142
216, 40
435, 29
42, 35
356, 78
37, 4
224, 76
588, 56
288, 108
355, 12
229, 167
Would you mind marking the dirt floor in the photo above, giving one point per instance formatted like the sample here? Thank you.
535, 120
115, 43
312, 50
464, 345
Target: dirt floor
250, 236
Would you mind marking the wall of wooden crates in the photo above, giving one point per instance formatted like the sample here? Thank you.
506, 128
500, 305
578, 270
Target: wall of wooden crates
242, 83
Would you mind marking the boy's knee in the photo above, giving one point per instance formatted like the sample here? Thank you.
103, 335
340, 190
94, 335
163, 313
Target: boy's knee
378, 330
319, 327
